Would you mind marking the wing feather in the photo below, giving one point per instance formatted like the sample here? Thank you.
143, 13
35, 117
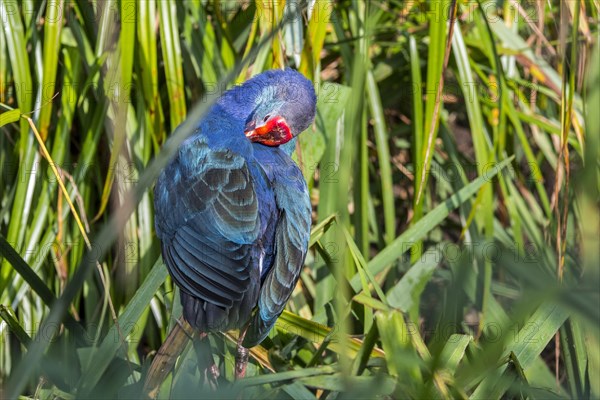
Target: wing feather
208, 221
291, 244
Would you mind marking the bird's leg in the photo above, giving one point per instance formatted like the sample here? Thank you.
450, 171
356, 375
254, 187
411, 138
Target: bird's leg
206, 364
241, 358
203, 351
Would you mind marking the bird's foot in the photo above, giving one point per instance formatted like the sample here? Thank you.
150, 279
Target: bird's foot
241, 361
241, 358
211, 376
206, 364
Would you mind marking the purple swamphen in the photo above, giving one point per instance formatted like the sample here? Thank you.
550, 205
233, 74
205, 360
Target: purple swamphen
232, 209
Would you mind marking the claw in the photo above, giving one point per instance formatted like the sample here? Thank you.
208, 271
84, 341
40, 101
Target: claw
241, 358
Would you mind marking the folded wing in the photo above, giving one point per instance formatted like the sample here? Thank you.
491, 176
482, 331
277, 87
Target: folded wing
207, 220
291, 244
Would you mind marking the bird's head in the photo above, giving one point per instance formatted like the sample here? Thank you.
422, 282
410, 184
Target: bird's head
284, 108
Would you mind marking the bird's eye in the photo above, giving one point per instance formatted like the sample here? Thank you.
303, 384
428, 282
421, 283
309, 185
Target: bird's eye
266, 118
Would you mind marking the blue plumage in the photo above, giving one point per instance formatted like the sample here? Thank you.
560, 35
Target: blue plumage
233, 213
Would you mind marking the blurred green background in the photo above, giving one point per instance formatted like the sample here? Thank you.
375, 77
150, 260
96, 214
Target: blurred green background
453, 168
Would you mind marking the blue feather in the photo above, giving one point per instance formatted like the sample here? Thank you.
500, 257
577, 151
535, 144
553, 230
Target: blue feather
234, 216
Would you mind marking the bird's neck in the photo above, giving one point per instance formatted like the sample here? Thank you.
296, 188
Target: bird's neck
289, 147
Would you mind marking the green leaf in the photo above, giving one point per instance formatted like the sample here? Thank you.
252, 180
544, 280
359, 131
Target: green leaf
454, 351
402, 359
406, 294
383, 153
298, 391
319, 230
169, 36
371, 302
285, 376
317, 333
16, 44
8, 315
311, 147
317, 27
127, 322
438, 32
10, 117
29, 275
52, 27
380, 385
526, 344
418, 231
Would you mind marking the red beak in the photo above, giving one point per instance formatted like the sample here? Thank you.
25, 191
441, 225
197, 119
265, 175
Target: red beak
274, 132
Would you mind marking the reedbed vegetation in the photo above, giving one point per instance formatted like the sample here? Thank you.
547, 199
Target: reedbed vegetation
453, 169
